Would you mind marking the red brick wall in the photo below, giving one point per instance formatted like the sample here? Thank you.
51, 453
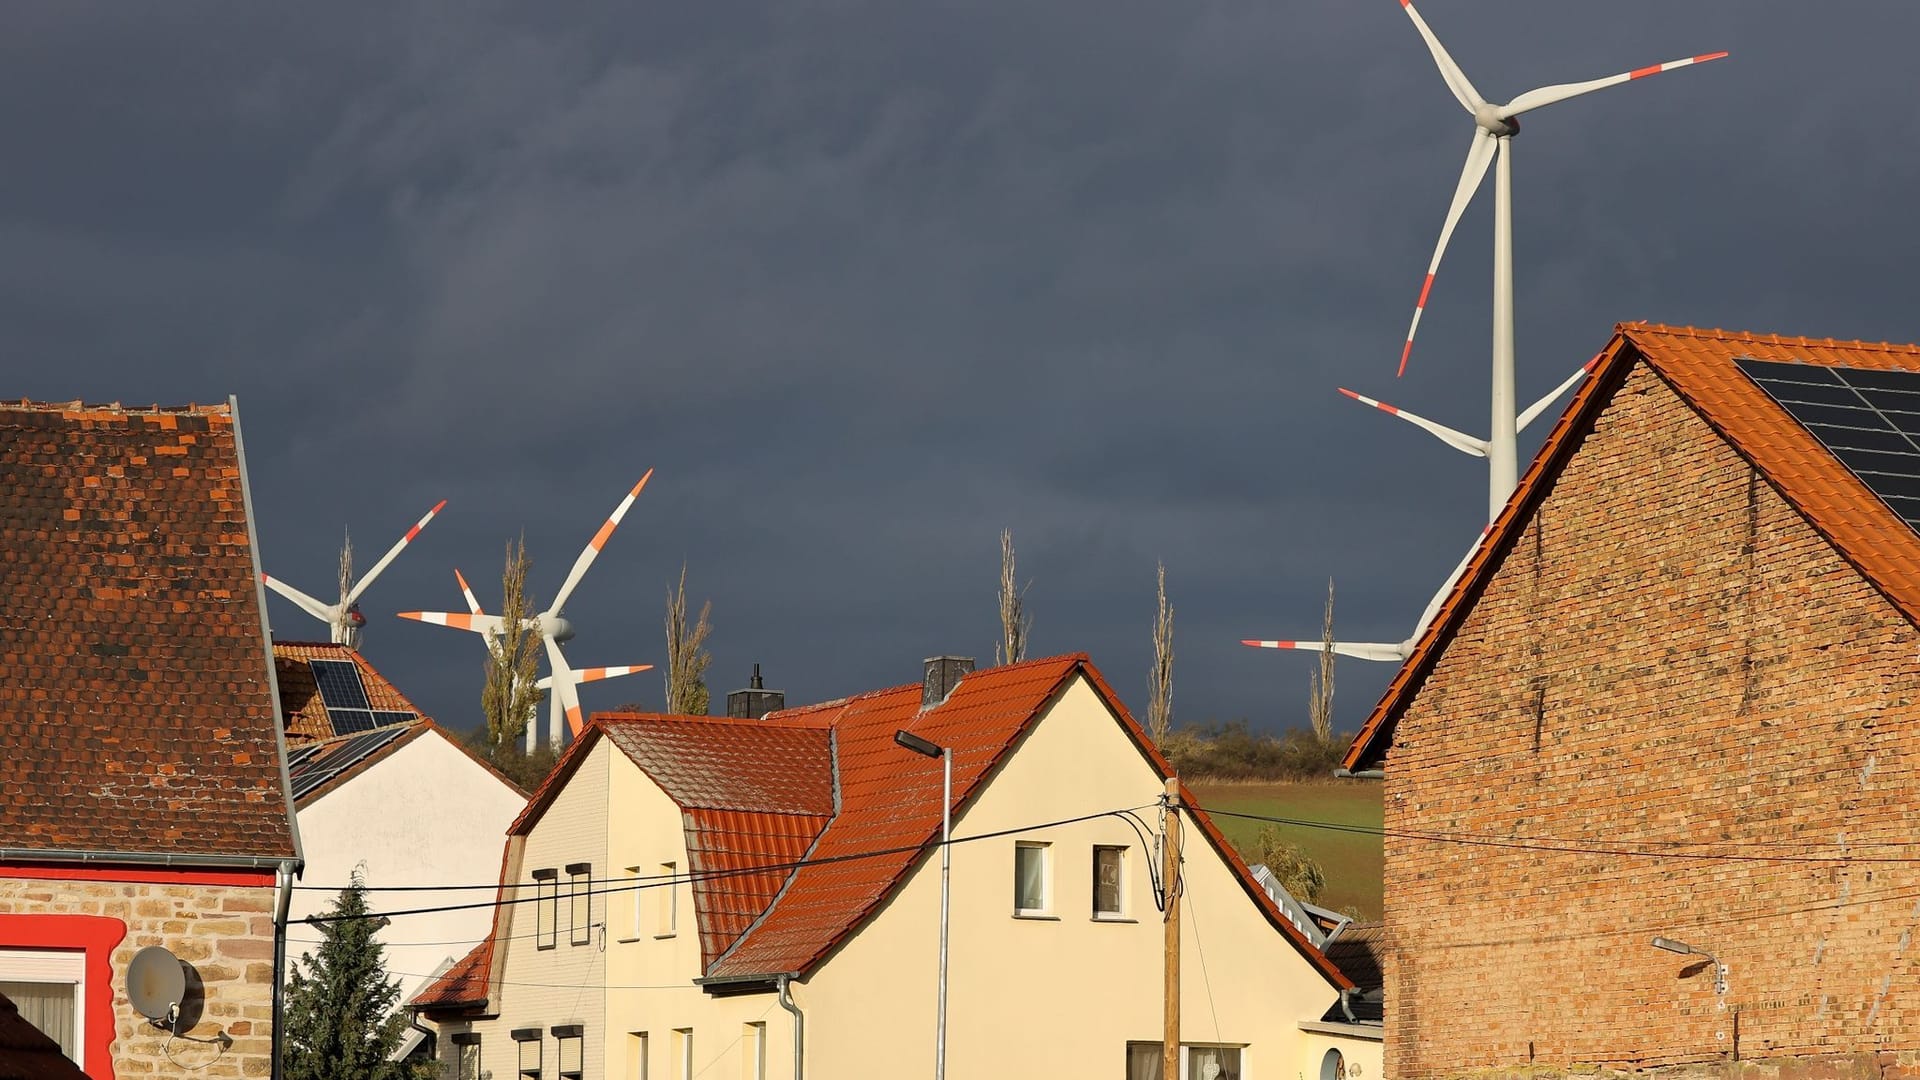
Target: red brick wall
1669, 660
224, 931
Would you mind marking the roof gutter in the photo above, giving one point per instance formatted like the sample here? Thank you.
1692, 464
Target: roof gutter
1360, 774
169, 860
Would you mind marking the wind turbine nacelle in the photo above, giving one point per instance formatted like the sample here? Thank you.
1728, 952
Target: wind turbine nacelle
558, 628
1488, 117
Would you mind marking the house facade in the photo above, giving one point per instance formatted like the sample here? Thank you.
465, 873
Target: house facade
388, 794
1675, 696
143, 799
703, 896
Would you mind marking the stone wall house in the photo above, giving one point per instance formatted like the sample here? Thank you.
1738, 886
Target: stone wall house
143, 798
759, 897
1676, 694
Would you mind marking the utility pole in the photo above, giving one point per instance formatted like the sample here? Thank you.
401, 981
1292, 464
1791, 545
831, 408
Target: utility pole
1170, 886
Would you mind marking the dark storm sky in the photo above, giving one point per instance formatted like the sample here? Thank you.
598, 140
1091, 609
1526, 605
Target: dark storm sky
867, 282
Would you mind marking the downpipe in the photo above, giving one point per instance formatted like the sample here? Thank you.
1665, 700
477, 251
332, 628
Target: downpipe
282, 900
799, 1029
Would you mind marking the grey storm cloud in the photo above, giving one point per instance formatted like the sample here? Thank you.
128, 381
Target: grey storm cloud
867, 282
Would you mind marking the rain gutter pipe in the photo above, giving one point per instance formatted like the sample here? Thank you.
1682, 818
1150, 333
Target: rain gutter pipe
283, 897
799, 1028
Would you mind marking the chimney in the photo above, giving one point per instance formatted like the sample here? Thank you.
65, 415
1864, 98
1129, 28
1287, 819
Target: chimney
755, 701
942, 675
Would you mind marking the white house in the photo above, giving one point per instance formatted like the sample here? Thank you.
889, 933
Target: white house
382, 790
755, 898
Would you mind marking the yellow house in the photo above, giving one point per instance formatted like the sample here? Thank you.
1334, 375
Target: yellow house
760, 898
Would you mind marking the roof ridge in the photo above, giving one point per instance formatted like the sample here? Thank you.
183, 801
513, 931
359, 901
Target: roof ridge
79, 405
1630, 328
770, 720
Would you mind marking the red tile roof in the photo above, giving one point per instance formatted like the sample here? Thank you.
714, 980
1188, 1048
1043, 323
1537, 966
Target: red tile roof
300, 704
136, 708
462, 985
1699, 365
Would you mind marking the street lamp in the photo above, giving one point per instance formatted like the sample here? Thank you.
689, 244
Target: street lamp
1684, 949
945, 753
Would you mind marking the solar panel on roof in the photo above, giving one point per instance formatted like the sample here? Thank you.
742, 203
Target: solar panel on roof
339, 683
1869, 420
382, 717
348, 721
338, 758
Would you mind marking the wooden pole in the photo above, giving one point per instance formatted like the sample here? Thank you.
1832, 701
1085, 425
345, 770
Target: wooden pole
1170, 879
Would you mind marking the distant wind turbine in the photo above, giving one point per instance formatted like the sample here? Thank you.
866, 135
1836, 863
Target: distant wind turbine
1391, 653
343, 619
1494, 128
1462, 441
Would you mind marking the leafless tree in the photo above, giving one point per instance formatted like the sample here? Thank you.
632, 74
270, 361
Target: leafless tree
344, 632
1320, 684
1160, 678
510, 695
687, 657
1015, 623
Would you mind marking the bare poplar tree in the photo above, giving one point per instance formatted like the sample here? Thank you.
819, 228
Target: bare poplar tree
687, 657
1320, 683
510, 696
1015, 623
344, 632
1160, 678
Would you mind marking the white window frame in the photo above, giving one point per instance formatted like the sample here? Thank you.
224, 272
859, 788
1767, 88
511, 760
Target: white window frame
1186, 1055
580, 904
1119, 912
668, 922
683, 1053
1045, 910
54, 966
753, 1051
634, 894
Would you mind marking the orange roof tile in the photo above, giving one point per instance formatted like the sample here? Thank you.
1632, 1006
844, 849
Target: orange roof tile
463, 984
1699, 365
136, 708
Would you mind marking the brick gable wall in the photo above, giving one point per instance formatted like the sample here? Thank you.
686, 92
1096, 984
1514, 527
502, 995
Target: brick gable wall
1669, 659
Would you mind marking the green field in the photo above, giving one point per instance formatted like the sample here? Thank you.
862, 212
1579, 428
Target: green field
1352, 860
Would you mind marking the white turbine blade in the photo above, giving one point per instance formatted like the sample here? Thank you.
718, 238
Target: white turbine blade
1534, 410
367, 579
473, 602
1548, 95
545, 682
593, 547
561, 684
595, 674
1459, 440
1357, 650
459, 620
1479, 156
1457, 81
1439, 598
324, 612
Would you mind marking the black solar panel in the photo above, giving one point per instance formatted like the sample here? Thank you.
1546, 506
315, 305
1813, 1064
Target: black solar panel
321, 764
381, 718
348, 721
1870, 420
339, 682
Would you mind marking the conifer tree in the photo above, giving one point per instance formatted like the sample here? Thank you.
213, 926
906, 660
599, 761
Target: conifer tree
341, 1020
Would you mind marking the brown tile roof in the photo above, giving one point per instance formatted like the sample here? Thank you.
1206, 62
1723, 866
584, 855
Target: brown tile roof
462, 985
300, 704
26, 1053
1699, 365
882, 824
137, 709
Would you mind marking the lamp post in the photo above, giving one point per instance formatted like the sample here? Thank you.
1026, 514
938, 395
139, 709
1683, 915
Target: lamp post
1684, 949
945, 753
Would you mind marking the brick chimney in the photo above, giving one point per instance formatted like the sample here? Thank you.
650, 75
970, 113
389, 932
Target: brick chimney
943, 673
755, 701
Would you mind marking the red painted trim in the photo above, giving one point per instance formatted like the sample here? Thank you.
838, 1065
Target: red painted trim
74, 872
98, 936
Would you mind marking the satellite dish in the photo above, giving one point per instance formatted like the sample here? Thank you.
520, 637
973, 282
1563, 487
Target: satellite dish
156, 982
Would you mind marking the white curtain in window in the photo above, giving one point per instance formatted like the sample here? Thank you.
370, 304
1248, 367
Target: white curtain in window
49, 1007
1143, 1061
1213, 1063
1030, 885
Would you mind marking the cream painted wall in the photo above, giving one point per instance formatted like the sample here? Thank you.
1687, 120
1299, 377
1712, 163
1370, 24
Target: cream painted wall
427, 814
1060, 996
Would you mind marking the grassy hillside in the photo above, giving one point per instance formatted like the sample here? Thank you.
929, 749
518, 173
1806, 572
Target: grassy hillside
1352, 861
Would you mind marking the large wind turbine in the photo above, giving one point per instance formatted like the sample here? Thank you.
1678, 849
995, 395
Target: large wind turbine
563, 681
343, 619
1494, 128
1393, 652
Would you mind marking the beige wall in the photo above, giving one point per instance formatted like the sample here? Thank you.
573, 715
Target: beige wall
224, 931
427, 814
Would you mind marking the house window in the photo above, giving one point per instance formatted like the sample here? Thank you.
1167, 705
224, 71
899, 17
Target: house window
1109, 866
637, 1052
569, 1049
753, 1052
48, 986
546, 904
667, 889
580, 903
527, 1049
630, 906
466, 1055
682, 1054
1196, 1062
1031, 886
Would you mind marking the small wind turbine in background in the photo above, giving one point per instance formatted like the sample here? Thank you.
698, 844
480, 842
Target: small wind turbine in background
343, 619
1381, 651
562, 682
1494, 129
